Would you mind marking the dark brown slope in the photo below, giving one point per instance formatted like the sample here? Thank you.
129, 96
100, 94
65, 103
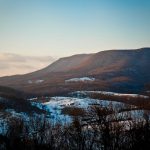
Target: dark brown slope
61, 65
124, 70
67, 63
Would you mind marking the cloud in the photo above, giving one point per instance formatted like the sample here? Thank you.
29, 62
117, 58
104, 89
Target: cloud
11, 64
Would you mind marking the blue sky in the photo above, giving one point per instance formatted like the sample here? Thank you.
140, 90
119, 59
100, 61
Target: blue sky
66, 27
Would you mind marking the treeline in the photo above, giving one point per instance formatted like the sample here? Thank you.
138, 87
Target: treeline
140, 102
99, 129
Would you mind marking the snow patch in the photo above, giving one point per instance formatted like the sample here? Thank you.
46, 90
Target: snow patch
83, 79
109, 93
39, 81
30, 82
35, 82
55, 105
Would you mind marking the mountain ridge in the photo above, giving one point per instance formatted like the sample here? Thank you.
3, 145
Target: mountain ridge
113, 69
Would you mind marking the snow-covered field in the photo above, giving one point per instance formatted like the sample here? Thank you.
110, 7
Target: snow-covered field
83, 79
55, 105
35, 82
81, 99
107, 93
134, 114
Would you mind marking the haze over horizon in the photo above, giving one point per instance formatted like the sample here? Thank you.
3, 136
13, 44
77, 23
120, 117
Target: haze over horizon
12, 64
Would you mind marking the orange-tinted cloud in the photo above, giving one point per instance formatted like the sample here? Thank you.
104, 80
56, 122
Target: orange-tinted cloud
11, 64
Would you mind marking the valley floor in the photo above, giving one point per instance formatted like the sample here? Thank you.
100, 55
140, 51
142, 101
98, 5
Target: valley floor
82, 113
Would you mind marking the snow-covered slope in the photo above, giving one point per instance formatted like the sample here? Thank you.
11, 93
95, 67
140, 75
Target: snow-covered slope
55, 105
35, 82
108, 93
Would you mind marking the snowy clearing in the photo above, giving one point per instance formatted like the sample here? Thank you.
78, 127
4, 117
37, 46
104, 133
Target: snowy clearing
35, 82
56, 104
83, 79
108, 93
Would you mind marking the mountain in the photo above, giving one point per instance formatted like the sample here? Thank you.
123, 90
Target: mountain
115, 70
10, 101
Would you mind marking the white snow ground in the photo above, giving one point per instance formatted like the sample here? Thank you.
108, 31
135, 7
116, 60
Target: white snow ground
35, 82
83, 79
56, 104
108, 93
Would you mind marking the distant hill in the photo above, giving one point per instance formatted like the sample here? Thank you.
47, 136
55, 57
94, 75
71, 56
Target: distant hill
115, 70
11, 99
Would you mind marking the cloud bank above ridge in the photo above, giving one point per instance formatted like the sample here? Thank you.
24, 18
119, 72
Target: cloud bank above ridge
12, 64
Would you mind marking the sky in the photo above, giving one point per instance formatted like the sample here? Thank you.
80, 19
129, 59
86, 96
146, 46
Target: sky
11, 64
65, 27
